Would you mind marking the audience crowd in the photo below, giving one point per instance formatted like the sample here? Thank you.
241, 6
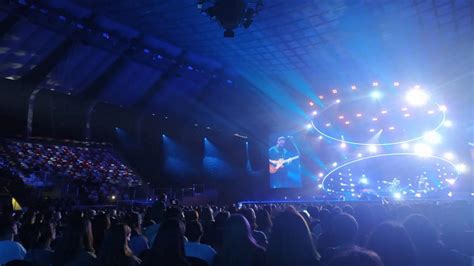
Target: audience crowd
95, 171
339, 234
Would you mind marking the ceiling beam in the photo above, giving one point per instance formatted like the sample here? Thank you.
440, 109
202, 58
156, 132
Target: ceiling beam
171, 72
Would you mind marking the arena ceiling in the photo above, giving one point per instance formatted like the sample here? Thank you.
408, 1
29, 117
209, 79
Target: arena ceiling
293, 50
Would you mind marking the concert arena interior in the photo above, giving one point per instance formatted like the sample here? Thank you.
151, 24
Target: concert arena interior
237, 132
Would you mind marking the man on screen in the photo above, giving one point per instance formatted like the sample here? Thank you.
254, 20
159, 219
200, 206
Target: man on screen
279, 162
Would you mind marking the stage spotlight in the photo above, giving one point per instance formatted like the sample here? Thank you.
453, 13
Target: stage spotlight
372, 149
343, 145
314, 113
328, 124
321, 97
405, 146
396, 84
320, 137
347, 122
443, 108
309, 126
112, 197
353, 87
341, 117
359, 115
448, 156
450, 181
416, 97
334, 91
320, 174
391, 128
418, 195
371, 130
334, 164
397, 195
364, 181
376, 95
375, 83
320, 186
383, 112
448, 123
406, 115
404, 109
432, 137
311, 103
359, 155
338, 100
461, 168
422, 150
430, 112
375, 119
450, 194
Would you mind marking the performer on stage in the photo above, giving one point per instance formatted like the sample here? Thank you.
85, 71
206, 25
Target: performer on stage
280, 160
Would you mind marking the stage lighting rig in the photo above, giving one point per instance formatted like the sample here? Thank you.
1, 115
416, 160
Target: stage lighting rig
231, 14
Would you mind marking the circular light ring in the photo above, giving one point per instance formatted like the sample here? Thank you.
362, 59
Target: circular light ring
387, 155
386, 143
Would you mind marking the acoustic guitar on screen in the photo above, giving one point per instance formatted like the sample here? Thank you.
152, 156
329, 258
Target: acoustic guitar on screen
276, 165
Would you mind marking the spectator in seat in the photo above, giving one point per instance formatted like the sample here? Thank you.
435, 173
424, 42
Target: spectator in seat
264, 222
259, 236
291, 243
431, 251
356, 257
100, 225
41, 253
168, 248
193, 247
115, 250
393, 244
75, 247
138, 243
9, 249
239, 248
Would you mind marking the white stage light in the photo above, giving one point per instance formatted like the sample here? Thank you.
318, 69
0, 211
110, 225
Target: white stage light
397, 195
364, 181
314, 113
376, 94
417, 97
418, 195
405, 146
461, 168
422, 150
343, 145
321, 174
450, 181
432, 137
375, 83
338, 100
448, 156
443, 108
354, 87
450, 194
334, 164
309, 126
359, 155
448, 123
396, 84
320, 137
372, 149
320, 186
